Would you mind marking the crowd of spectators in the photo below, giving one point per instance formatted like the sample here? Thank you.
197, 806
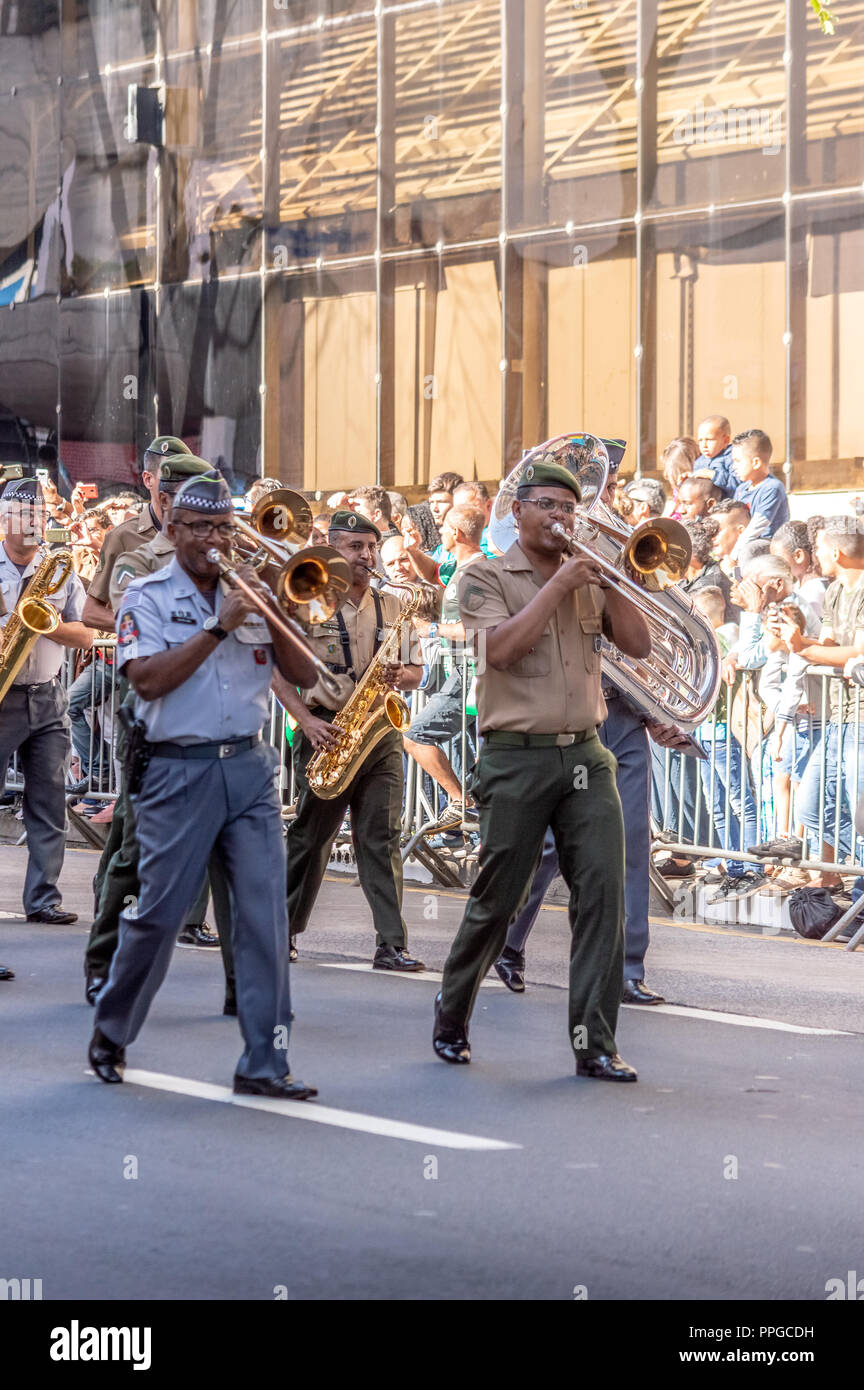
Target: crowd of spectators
782, 749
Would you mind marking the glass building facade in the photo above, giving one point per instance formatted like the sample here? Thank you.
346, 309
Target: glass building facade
335, 243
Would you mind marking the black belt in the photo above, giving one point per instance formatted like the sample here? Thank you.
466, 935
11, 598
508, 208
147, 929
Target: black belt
229, 749
511, 740
38, 685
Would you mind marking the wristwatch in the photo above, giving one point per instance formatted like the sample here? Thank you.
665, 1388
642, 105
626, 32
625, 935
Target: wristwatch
211, 625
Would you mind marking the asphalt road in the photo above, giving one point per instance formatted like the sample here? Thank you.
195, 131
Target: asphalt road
730, 1171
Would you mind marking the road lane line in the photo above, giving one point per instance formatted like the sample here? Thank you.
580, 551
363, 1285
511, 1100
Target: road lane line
317, 1114
434, 975
738, 1020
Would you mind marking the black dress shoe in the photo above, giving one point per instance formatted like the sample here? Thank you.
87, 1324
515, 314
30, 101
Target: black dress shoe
106, 1058
54, 916
395, 958
449, 1038
510, 965
197, 934
606, 1068
277, 1087
637, 992
95, 981
292, 948
6, 973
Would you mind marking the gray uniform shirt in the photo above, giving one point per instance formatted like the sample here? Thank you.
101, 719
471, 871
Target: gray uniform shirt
46, 659
228, 696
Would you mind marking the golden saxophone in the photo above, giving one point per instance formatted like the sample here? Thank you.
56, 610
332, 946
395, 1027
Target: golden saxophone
33, 616
372, 710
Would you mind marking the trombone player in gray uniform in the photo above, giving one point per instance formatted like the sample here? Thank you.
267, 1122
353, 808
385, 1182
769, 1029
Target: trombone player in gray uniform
199, 658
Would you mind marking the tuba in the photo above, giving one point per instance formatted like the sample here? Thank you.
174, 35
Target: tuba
33, 616
371, 711
315, 579
678, 682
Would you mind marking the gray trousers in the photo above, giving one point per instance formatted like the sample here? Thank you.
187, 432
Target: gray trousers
34, 721
623, 733
185, 808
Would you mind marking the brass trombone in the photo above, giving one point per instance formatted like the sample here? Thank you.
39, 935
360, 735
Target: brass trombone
314, 578
273, 613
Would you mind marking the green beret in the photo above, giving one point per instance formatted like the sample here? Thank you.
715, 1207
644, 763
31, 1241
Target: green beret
548, 475
176, 468
352, 521
166, 444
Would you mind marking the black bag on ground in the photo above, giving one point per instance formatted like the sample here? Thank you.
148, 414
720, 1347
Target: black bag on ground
813, 911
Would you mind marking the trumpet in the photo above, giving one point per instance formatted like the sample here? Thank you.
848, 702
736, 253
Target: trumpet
274, 615
314, 578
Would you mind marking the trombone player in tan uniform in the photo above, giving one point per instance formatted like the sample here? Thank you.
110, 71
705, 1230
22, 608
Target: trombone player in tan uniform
538, 617
347, 644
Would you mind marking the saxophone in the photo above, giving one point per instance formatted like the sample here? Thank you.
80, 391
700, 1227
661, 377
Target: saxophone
372, 710
33, 616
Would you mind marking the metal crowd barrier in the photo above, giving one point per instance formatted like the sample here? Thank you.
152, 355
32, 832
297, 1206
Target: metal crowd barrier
690, 818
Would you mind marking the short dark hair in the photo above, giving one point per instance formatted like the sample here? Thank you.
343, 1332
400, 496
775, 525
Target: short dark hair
793, 535
471, 521
701, 539
444, 482
728, 506
377, 497
847, 533
477, 489
755, 442
705, 485
752, 550
714, 597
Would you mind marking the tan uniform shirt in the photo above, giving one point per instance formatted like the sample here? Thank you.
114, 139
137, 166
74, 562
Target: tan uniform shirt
360, 623
145, 559
555, 688
127, 536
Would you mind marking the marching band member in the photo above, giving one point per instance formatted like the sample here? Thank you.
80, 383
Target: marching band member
538, 617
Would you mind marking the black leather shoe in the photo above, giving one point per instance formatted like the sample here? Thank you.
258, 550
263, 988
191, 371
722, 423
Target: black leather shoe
606, 1068
510, 965
637, 992
106, 1058
54, 916
277, 1087
395, 958
197, 934
292, 948
95, 980
6, 973
450, 1039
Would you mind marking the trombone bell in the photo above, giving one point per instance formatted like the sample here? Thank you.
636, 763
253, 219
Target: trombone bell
658, 544
317, 580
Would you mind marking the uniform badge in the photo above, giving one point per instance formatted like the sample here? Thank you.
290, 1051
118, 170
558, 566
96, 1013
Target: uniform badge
122, 575
473, 598
260, 656
529, 473
183, 617
128, 630
352, 521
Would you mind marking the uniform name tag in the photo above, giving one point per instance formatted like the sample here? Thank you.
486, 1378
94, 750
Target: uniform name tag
184, 617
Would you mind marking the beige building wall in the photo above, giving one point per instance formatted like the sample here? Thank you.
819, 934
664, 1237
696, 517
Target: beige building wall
339, 392
592, 370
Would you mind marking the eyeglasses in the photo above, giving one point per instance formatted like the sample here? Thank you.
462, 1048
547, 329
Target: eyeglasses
549, 504
203, 530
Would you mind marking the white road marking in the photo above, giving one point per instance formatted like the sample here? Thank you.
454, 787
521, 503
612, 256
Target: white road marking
738, 1020
434, 975
317, 1114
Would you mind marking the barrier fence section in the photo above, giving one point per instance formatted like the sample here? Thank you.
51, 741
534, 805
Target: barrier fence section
751, 785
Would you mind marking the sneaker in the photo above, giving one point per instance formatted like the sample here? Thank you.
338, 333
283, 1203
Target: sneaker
735, 887
674, 868
780, 848
197, 934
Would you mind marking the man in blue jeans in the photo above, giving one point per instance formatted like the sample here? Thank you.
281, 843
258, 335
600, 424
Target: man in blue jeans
840, 550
